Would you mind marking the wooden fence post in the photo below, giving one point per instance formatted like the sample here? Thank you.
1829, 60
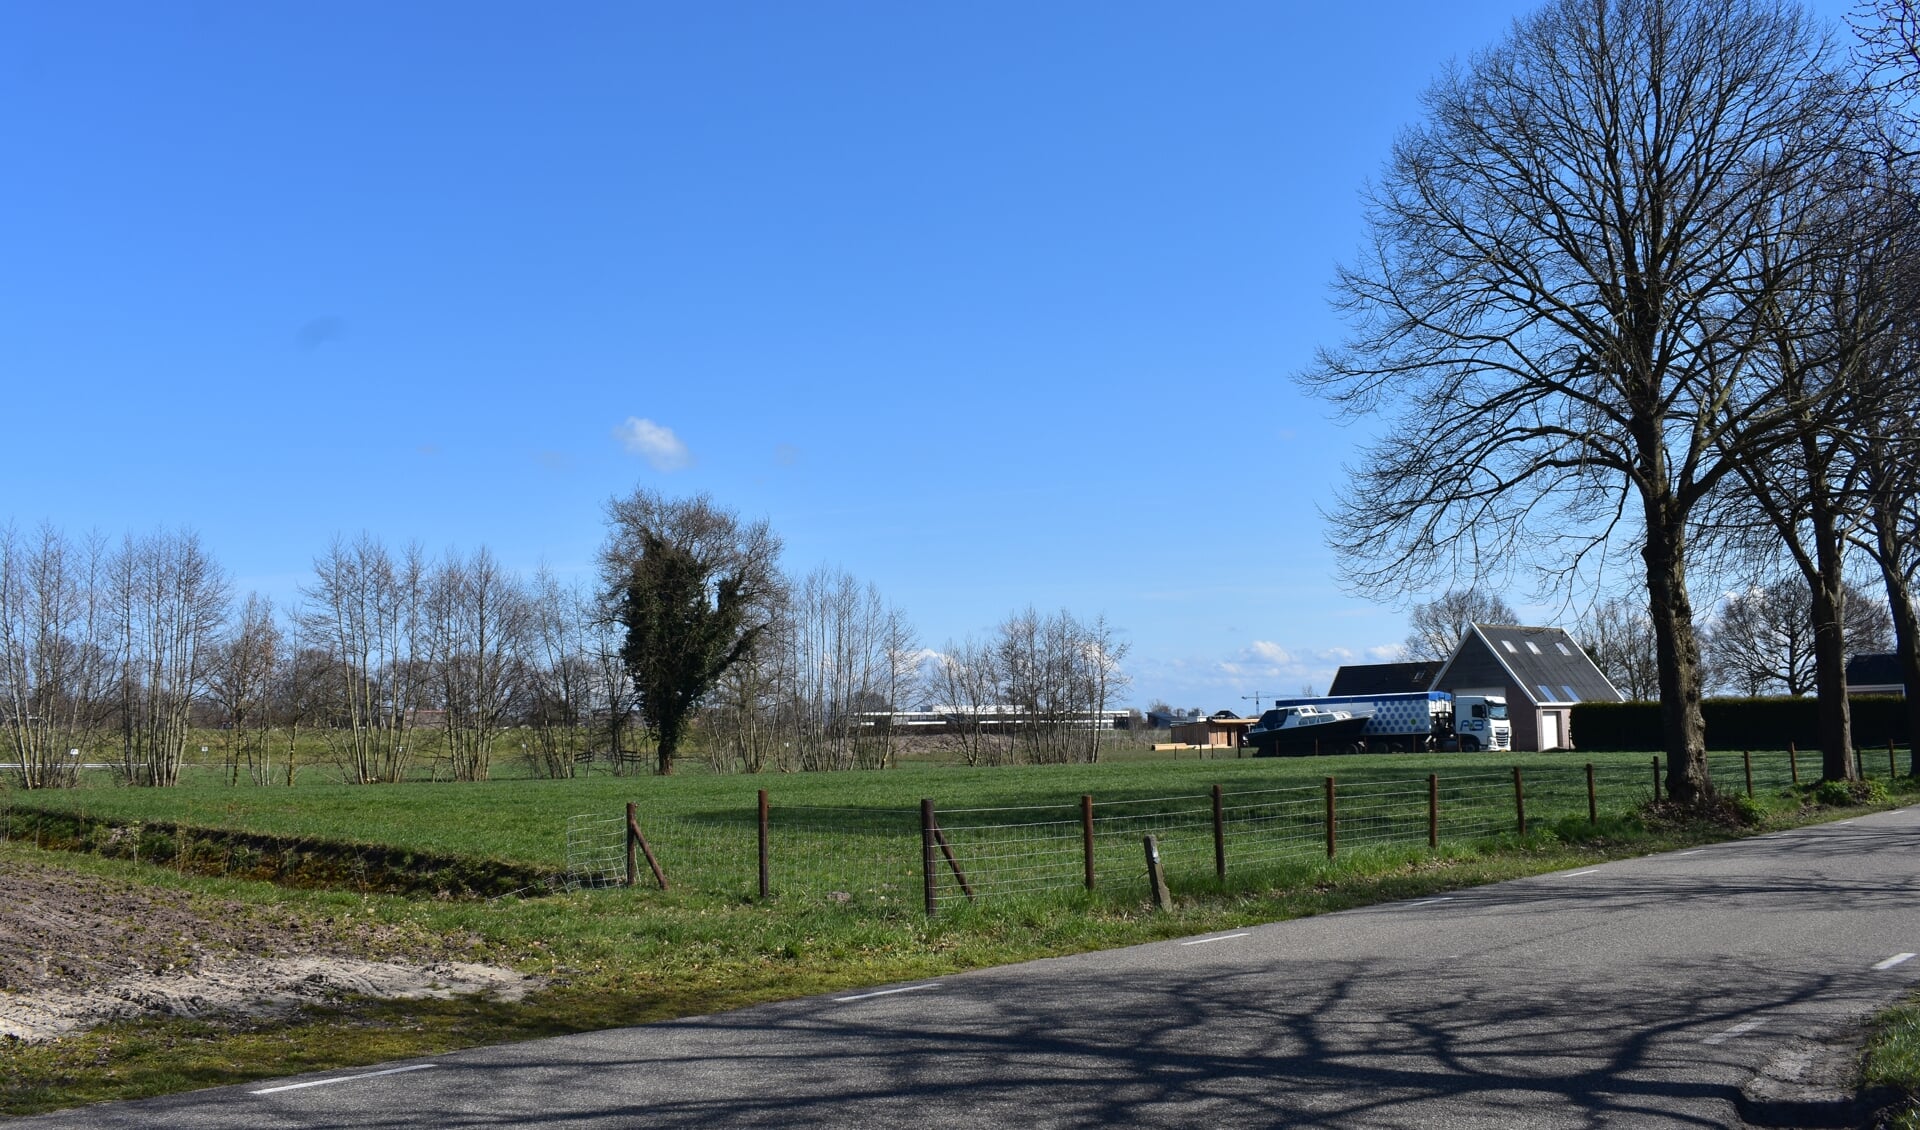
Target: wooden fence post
1219, 837
1162, 898
1330, 815
1593, 801
634, 836
1746, 760
1519, 801
1433, 811
1793, 762
764, 878
1086, 834
633, 859
1859, 765
929, 879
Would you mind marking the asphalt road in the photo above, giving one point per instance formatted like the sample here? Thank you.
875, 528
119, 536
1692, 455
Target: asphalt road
1643, 993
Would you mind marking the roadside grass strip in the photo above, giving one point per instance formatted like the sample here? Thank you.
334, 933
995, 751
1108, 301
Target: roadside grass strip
343, 1079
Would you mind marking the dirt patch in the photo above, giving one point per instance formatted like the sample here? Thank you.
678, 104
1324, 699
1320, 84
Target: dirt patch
79, 950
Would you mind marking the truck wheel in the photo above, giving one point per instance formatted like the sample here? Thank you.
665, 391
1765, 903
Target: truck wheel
1469, 745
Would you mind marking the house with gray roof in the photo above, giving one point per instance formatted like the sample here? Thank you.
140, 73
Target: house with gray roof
1384, 678
1541, 672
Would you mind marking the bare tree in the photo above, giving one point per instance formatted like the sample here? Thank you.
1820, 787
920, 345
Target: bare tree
1617, 635
56, 670
480, 622
367, 615
1556, 308
694, 587
561, 674
245, 667
1765, 638
1436, 627
170, 602
967, 688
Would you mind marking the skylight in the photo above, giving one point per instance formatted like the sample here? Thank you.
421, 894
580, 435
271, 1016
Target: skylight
1508, 644
1563, 649
1533, 647
1571, 697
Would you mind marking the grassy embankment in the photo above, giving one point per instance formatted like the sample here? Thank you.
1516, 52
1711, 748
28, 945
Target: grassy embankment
630, 956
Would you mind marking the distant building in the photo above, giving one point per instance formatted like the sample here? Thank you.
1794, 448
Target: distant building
1541, 672
1384, 678
1875, 673
1222, 731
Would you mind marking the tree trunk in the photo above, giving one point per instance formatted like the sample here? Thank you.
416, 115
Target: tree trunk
1681, 725
1830, 649
1906, 644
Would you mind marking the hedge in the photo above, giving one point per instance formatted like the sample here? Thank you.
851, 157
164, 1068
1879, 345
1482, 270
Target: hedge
1739, 723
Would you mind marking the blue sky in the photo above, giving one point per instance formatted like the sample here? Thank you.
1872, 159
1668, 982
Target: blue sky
990, 304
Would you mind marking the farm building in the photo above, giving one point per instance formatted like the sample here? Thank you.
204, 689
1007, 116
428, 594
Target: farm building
1222, 731
1875, 673
1541, 672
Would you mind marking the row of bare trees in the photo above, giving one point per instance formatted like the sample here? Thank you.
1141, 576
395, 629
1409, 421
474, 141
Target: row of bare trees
104, 646
394, 663
1641, 290
1034, 691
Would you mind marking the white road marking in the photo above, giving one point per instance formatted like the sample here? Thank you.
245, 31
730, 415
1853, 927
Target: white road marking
1695, 851
1221, 938
1896, 959
890, 992
343, 1079
1837, 823
1430, 902
1743, 1027
1588, 871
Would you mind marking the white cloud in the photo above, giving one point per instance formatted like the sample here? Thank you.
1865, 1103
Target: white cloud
1384, 653
1271, 652
655, 443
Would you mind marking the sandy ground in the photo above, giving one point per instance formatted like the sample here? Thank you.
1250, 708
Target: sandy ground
78, 950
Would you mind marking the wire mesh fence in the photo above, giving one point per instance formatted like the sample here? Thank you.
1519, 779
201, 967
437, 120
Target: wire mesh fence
596, 851
885, 859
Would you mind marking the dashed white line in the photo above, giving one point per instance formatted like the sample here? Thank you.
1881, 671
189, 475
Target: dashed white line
889, 992
1221, 938
343, 1079
1896, 959
1588, 871
1695, 851
1738, 1029
1430, 902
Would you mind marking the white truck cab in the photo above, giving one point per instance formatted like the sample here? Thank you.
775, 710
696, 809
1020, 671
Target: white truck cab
1480, 723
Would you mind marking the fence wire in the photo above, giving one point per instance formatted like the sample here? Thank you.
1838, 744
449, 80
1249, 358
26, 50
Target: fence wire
596, 851
870, 859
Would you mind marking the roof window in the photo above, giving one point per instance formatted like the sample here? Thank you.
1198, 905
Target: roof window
1571, 697
1545, 694
1508, 644
1533, 647
1563, 649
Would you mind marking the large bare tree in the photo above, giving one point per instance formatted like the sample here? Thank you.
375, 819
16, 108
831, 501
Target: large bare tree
245, 668
1617, 635
1766, 637
1555, 313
